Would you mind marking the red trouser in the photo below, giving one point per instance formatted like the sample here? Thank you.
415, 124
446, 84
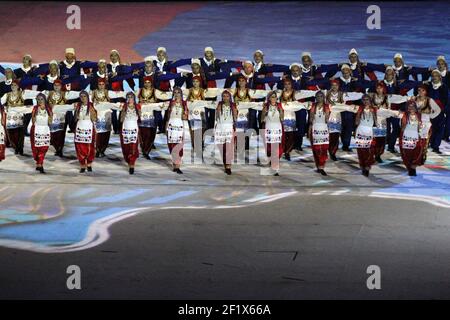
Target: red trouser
2, 152
85, 152
380, 143
413, 157
320, 153
176, 152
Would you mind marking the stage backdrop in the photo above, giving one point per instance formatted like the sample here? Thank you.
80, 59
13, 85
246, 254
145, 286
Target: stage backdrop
420, 31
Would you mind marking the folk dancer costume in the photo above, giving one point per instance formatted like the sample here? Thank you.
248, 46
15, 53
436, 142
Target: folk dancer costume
175, 115
289, 120
2, 132
58, 127
366, 119
272, 119
442, 67
147, 126
104, 117
428, 110
85, 118
41, 119
224, 131
130, 117
438, 91
242, 121
15, 128
318, 134
381, 103
197, 118
411, 146
334, 120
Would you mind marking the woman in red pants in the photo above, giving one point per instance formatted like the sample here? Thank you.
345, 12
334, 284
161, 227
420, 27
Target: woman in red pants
366, 119
41, 119
85, 117
130, 117
2, 132
411, 146
318, 131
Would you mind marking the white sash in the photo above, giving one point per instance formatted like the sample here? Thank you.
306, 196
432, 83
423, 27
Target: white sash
334, 122
273, 132
175, 131
223, 133
84, 131
320, 134
364, 136
130, 131
41, 136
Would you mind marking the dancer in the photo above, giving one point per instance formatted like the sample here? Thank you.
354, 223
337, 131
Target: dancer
411, 147
289, 121
318, 131
226, 114
85, 117
130, 118
428, 110
176, 113
381, 103
41, 119
272, 120
147, 126
366, 119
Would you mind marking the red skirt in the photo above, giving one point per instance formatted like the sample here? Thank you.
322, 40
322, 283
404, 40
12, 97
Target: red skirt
320, 153
333, 145
102, 141
85, 152
146, 139
413, 157
38, 152
176, 152
57, 139
130, 151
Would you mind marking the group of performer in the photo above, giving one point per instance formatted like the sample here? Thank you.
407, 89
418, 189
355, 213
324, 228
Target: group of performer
302, 99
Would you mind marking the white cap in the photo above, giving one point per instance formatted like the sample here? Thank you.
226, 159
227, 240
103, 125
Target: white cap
353, 50
197, 61
161, 49
306, 54
149, 58
441, 58
209, 49
27, 55
398, 56
101, 61
345, 66
294, 64
389, 68
53, 62
259, 51
114, 51
70, 50
247, 62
